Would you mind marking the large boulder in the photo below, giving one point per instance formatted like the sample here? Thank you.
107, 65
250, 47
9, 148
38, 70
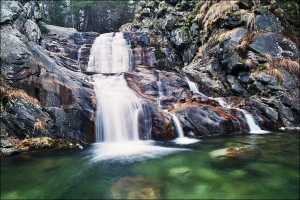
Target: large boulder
275, 45
10, 10
17, 62
206, 120
59, 31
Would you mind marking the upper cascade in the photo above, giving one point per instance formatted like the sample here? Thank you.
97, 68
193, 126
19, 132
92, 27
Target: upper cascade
110, 53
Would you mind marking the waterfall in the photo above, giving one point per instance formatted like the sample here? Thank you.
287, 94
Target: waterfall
79, 56
251, 123
118, 107
192, 85
178, 126
122, 118
181, 139
249, 119
160, 92
110, 53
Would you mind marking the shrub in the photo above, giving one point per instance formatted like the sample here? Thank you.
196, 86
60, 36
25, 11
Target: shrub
13, 94
39, 126
159, 54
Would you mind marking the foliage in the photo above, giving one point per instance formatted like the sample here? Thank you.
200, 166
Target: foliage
39, 126
43, 29
251, 22
97, 16
159, 54
274, 66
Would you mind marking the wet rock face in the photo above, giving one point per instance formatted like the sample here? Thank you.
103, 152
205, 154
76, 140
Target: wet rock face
205, 120
17, 62
66, 102
162, 126
220, 51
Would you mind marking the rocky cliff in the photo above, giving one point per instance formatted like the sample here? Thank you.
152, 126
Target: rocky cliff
245, 52
40, 96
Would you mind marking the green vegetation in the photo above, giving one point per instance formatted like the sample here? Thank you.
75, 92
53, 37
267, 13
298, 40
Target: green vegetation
159, 54
44, 29
98, 16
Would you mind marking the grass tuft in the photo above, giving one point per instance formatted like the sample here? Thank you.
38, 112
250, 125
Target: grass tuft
251, 22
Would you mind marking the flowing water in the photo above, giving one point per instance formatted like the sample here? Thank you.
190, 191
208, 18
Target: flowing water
270, 171
79, 57
254, 128
122, 166
110, 53
181, 139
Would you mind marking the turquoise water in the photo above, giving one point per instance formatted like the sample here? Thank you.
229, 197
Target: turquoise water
270, 170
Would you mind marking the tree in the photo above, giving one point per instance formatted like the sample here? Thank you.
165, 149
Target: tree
94, 15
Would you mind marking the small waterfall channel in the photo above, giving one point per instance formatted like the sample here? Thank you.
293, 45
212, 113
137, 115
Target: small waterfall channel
181, 139
122, 118
249, 119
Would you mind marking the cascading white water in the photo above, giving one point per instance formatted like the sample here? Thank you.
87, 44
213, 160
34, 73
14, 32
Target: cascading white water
79, 56
251, 123
249, 119
160, 92
192, 85
110, 53
181, 139
121, 115
178, 126
117, 105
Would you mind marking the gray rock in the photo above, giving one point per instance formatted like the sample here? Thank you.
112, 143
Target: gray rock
257, 86
10, 10
32, 31
243, 76
213, 67
17, 62
264, 78
270, 113
194, 29
126, 27
265, 20
31, 8
236, 35
61, 31
20, 116
232, 62
179, 38
168, 22
9, 151
236, 87
253, 56
204, 121
5, 143
275, 45
19, 22
188, 54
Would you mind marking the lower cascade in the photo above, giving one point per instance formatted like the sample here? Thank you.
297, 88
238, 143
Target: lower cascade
118, 110
118, 107
249, 119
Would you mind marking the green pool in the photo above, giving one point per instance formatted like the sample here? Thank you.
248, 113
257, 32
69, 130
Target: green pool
269, 169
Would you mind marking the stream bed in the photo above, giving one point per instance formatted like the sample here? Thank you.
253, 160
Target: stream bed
165, 170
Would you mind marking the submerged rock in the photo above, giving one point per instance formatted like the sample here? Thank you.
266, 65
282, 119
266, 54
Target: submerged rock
238, 152
136, 188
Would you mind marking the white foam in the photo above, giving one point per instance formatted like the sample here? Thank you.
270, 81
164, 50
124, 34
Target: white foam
130, 151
